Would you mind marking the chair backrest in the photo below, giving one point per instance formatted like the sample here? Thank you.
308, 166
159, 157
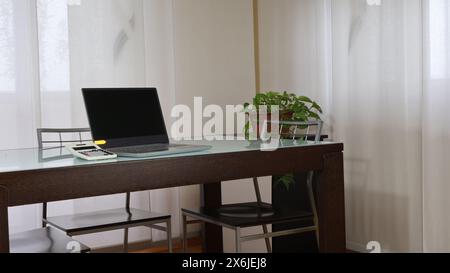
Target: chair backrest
305, 131
311, 130
56, 138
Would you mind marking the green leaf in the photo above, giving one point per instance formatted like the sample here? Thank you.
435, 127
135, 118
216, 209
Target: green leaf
317, 107
247, 130
287, 181
300, 116
314, 115
305, 99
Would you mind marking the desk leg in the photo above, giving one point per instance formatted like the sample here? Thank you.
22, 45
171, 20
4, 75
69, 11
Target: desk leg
4, 228
331, 204
211, 196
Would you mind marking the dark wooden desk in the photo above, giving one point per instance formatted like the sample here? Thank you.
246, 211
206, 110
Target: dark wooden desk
30, 180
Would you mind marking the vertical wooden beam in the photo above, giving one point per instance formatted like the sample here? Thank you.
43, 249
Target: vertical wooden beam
256, 45
211, 197
331, 204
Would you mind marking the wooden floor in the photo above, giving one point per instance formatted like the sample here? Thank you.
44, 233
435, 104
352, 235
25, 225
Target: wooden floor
194, 246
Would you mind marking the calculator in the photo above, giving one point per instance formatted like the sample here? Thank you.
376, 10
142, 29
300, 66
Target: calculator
90, 151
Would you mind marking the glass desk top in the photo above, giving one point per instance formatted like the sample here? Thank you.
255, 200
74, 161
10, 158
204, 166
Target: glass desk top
37, 159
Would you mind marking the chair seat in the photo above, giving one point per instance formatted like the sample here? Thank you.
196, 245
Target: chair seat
44, 240
107, 219
217, 215
247, 210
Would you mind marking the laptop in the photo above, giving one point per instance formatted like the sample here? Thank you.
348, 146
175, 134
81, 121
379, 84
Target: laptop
129, 122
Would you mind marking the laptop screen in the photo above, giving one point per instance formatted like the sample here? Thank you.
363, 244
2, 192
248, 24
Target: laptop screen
125, 116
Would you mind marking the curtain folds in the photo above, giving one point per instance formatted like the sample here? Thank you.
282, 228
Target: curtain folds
436, 126
107, 49
50, 50
386, 100
19, 89
391, 77
377, 89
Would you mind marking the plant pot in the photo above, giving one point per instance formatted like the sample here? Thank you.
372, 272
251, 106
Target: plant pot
285, 132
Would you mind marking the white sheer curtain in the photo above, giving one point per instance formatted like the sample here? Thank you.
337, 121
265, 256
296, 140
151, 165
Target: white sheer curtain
18, 78
364, 64
377, 89
391, 81
19, 99
54, 63
436, 126
107, 49
49, 51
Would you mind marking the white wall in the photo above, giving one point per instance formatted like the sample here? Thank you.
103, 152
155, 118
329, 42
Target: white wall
295, 51
214, 59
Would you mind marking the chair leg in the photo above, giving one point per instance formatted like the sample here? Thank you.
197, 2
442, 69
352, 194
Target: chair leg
312, 201
184, 235
44, 215
169, 235
238, 240
259, 200
268, 245
125, 240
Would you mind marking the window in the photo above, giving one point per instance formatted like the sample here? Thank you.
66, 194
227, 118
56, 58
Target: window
7, 51
439, 39
52, 16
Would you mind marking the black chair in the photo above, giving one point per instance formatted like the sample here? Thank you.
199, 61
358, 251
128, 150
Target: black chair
100, 221
239, 216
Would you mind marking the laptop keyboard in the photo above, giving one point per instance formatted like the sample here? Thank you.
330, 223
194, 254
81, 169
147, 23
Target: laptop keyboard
145, 149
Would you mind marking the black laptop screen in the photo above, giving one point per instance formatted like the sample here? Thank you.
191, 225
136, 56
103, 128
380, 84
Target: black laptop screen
125, 117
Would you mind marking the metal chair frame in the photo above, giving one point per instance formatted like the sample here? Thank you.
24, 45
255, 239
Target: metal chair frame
153, 224
266, 235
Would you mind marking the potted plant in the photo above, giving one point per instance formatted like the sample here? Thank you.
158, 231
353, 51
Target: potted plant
292, 108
